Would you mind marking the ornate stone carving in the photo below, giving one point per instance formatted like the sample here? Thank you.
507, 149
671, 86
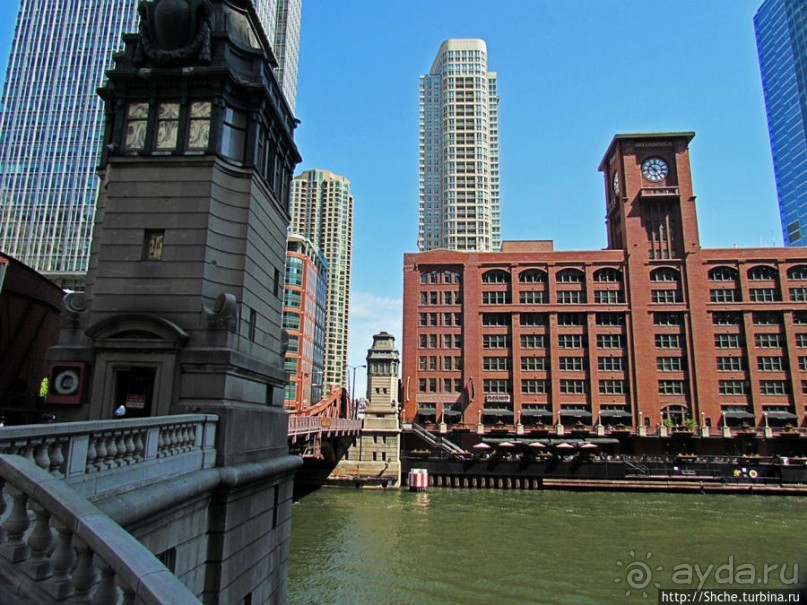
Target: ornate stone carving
174, 32
223, 314
73, 305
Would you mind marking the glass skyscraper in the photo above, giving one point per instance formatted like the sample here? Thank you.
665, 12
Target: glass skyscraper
322, 210
459, 151
52, 121
781, 30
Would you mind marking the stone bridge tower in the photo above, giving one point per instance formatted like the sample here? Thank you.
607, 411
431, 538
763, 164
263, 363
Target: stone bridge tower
182, 311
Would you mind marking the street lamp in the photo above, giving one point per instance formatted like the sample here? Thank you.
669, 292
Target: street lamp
353, 389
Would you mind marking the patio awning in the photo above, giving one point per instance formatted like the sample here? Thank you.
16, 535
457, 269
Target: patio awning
452, 413
497, 412
740, 414
576, 413
615, 414
780, 414
536, 413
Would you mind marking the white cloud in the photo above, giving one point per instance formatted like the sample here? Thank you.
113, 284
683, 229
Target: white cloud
369, 315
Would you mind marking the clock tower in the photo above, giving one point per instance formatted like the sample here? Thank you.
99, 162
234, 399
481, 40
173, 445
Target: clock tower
651, 217
650, 204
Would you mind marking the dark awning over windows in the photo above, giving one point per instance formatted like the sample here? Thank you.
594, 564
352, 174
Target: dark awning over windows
780, 414
615, 414
497, 412
536, 413
739, 414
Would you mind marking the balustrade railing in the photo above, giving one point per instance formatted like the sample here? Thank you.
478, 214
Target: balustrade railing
75, 451
56, 547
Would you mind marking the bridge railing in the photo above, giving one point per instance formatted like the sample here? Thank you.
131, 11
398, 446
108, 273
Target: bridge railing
101, 456
58, 547
308, 425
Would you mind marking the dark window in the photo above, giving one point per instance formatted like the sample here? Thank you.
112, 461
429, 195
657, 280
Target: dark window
571, 364
610, 319
761, 273
732, 387
612, 387
533, 341
770, 364
533, 364
670, 364
609, 341
610, 364
671, 387
723, 274
727, 341
667, 319
570, 341
234, 134
730, 364
576, 387
724, 295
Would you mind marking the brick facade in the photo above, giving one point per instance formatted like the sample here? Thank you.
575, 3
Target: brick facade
652, 331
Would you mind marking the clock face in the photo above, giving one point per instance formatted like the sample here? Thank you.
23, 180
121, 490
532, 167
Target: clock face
655, 169
615, 183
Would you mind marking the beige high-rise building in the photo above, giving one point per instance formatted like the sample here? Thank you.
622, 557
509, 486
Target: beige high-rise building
459, 151
322, 210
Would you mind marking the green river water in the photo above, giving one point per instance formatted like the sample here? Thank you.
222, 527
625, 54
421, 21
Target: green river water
495, 546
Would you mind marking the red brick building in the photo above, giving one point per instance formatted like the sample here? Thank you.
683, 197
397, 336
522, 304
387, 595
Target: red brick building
652, 332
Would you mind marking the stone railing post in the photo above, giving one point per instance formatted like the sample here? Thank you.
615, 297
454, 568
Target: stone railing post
15, 549
38, 566
62, 560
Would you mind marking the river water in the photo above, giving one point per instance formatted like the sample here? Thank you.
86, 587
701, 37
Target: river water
467, 546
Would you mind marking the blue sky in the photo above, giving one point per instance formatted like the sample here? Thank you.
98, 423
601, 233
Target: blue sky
572, 74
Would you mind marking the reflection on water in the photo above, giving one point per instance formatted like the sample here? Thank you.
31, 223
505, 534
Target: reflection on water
493, 546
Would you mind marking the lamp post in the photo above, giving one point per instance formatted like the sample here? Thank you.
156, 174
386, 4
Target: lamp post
355, 413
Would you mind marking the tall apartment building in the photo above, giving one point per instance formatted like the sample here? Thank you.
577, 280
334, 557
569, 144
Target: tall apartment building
52, 122
304, 311
650, 332
781, 30
322, 210
459, 151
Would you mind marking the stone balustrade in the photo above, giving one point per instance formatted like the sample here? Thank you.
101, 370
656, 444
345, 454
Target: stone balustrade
57, 547
100, 457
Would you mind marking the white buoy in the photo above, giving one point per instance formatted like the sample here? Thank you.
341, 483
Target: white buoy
418, 479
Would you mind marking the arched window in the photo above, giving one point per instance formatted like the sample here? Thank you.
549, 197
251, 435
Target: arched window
723, 274
496, 276
570, 276
532, 276
608, 274
797, 272
665, 274
762, 272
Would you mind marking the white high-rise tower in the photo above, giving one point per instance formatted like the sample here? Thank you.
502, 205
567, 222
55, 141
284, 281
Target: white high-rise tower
459, 151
